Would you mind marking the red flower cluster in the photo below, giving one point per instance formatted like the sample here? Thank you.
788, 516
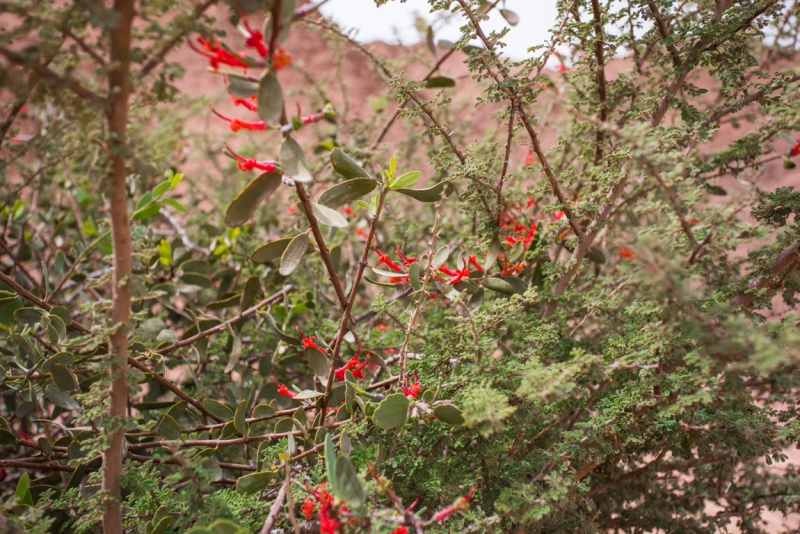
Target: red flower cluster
216, 54
308, 342
247, 164
412, 390
255, 39
795, 150
457, 275
400, 530
328, 523
354, 366
308, 507
282, 389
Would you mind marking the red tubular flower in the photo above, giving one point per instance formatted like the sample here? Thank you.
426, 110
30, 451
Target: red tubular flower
447, 270
247, 164
405, 259
460, 274
255, 40
400, 530
308, 342
238, 124
460, 504
216, 54
509, 268
384, 259
795, 149
402, 279
413, 504
282, 389
625, 253
308, 508
280, 59
473, 260
348, 210
562, 68
412, 390
246, 102
352, 362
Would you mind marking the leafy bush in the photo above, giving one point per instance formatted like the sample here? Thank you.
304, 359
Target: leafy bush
399, 336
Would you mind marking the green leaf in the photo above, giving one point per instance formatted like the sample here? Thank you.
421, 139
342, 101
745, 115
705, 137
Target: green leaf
27, 316
492, 255
264, 410
346, 192
499, 285
174, 204
429, 40
447, 413
247, 201
239, 417
270, 98
254, 482
308, 394
251, 288
440, 257
406, 180
7, 437
227, 302
516, 252
346, 166
391, 412
319, 363
63, 313
293, 161
241, 87
330, 461
61, 399
169, 428
518, 284
63, 377
147, 211
196, 279
22, 492
294, 252
167, 336
347, 487
162, 525
511, 17
413, 276
328, 217
270, 251
440, 81
596, 255
160, 189
432, 194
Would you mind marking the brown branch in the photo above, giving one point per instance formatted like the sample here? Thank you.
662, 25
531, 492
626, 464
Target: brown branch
277, 504
664, 31
19, 265
85, 47
676, 203
46, 466
786, 260
506, 157
120, 89
323, 249
54, 78
346, 319
753, 97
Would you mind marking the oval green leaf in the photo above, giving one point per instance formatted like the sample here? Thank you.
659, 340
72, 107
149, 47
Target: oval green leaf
346, 192
347, 487
346, 166
217, 409
247, 201
270, 98
254, 482
440, 81
447, 413
391, 412
328, 217
496, 284
270, 251
293, 161
432, 194
294, 252
61, 399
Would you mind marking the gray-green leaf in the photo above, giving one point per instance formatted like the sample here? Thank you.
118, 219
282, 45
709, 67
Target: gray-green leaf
346, 192
346, 166
294, 252
270, 98
248, 200
391, 412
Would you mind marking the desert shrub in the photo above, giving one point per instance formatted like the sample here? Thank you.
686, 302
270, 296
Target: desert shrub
571, 315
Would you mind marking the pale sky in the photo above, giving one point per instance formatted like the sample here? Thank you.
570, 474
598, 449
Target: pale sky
394, 22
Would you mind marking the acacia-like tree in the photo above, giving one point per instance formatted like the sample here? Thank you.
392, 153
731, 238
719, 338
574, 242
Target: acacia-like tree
596, 338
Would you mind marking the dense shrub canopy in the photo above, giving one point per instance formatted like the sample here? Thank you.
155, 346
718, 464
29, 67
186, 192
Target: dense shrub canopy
571, 315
